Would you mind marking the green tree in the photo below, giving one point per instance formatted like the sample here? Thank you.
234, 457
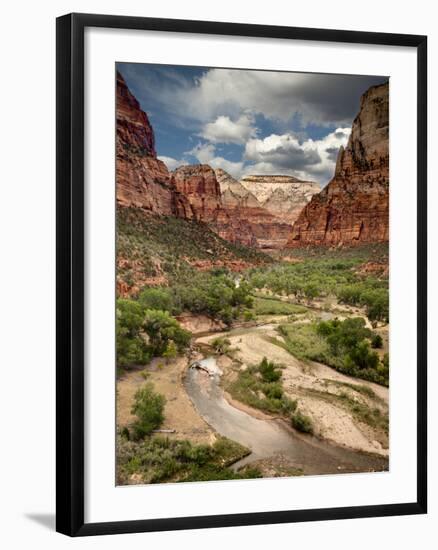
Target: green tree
132, 347
362, 356
149, 409
376, 341
161, 328
157, 298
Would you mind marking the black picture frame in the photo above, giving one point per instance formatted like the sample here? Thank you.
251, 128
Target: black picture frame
70, 273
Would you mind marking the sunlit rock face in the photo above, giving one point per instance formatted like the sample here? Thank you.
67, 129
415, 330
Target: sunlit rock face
193, 192
283, 196
354, 207
268, 230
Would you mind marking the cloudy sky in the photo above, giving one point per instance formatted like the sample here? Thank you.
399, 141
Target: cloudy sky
248, 122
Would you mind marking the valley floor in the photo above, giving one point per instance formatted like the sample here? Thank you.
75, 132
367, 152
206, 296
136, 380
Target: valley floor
323, 394
343, 409
348, 416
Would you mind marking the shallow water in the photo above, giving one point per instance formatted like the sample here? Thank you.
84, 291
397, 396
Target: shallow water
267, 438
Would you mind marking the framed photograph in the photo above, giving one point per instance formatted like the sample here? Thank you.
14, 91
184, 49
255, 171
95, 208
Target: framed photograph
241, 274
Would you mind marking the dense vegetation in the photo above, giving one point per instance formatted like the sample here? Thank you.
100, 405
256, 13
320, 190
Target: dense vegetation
213, 293
146, 325
328, 275
152, 246
158, 460
344, 345
142, 333
260, 386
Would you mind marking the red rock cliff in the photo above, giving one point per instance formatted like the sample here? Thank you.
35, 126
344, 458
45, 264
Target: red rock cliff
142, 180
190, 192
198, 184
198, 197
354, 207
267, 230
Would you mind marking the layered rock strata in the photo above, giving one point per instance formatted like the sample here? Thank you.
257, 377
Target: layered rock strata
142, 179
282, 196
190, 192
354, 207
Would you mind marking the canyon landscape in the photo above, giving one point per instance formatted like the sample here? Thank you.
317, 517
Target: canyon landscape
252, 275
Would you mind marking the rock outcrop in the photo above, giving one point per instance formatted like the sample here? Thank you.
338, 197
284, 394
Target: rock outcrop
198, 187
195, 192
142, 179
233, 193
354, 207
283, 196
268, 230
214, 197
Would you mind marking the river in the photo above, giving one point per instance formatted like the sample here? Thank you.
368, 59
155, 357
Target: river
270, 437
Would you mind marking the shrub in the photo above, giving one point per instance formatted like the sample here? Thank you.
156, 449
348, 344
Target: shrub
377, 341
302, 423
269, 371
148, 407
221, 345
288, 406
273, 390
171, 351
160, 459
262, 391
361, 356
248, 315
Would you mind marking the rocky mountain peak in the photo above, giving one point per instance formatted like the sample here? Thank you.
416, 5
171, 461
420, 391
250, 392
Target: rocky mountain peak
354, 207
134, 131
284, 196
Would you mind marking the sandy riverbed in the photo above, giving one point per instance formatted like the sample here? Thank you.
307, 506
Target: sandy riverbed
316, 387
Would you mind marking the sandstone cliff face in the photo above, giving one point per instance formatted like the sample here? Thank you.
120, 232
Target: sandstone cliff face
283, 196
142, 179
190, 192
199, 186
198, 197
233, 192
268, 230
354, 207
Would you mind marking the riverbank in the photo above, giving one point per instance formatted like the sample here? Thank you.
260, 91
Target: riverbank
336, 403
277, 449
181, 420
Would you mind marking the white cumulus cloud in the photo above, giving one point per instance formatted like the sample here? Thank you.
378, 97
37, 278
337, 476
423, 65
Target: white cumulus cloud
286, 154
309, 160
172, 163
225, 130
